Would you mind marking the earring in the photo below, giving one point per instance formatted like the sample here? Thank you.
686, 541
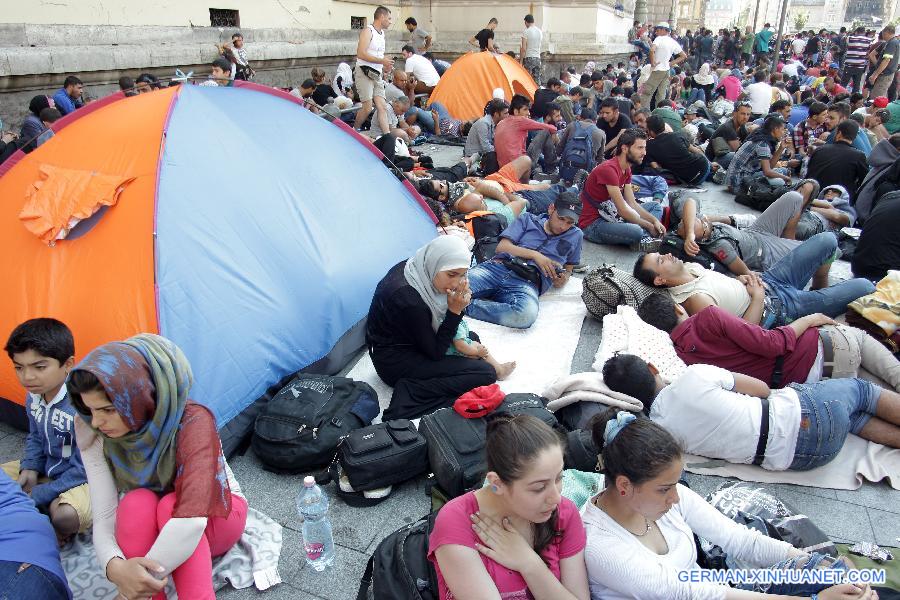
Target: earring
495, 489
622, 492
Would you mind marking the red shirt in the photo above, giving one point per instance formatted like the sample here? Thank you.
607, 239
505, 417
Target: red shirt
595, 197
510, 134
716, 337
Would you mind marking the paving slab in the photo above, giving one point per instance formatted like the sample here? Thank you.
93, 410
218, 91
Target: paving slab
886, 526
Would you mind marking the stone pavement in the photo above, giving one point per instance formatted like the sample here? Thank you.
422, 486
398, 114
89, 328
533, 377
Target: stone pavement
871, 513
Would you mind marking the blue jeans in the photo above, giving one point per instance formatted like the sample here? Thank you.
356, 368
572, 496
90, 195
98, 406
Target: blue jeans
424, 118
829, 411
621, 234
539, 200
725, 160
31, 582
499, 296
641, 45
702, 176
776, 181
442, 111
787, 278
696, 94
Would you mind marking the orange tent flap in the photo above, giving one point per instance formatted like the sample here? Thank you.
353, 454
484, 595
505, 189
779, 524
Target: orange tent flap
469, 83
61, 197
102, 284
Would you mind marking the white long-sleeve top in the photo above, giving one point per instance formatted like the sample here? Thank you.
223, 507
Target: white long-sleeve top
179, 536
620, 567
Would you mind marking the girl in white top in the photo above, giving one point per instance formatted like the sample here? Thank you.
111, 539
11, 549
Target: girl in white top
640, 528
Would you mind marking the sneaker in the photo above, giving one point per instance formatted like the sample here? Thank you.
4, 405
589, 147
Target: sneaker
580, 177
647, 244
719, 176
580, 268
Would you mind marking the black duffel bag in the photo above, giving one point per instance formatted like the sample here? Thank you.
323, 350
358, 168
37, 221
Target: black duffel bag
456, 444
302, 425
758, 193
383, 454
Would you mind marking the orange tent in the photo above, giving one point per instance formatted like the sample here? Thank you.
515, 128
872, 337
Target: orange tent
470, 82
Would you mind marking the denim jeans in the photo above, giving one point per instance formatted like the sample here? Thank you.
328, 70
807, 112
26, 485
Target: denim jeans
696, 94
776, 181
621, 234
539, 200
31, 582
787, 278
829, 411
424, 118
442, 111
725, 160
499, 296
702, 176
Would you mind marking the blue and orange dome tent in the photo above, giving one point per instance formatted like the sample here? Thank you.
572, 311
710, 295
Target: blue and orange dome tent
243, 227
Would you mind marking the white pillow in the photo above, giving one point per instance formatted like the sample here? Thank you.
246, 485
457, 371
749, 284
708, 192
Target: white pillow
626, 332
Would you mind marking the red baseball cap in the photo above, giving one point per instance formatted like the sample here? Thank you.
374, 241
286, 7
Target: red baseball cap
880, 102
479, 402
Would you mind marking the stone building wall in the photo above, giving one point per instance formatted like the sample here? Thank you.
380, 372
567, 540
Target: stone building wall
99, 41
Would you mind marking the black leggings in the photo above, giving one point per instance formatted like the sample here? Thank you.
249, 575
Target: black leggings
422, 385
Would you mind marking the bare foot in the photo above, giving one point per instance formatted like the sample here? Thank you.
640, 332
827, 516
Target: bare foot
504, 370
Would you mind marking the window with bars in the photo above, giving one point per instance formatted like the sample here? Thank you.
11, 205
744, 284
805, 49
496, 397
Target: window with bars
224, 17
357, 22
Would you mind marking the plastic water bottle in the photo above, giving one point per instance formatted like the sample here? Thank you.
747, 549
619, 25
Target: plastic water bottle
318, 543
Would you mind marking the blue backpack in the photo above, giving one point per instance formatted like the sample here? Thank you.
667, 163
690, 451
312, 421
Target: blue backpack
578, 153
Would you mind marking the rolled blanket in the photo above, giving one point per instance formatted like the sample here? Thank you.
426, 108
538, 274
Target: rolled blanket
588, 387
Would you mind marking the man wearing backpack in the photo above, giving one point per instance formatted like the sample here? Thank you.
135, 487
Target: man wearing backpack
581, 145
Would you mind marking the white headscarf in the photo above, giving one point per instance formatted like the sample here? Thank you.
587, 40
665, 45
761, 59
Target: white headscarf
704, 77
346, 74
443, 253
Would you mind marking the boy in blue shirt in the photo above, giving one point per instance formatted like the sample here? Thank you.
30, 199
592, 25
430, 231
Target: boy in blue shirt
43, 353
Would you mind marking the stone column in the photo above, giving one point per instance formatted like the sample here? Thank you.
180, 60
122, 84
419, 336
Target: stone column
640, 10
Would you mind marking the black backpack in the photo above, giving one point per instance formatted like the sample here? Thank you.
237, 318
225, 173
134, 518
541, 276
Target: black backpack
580, 451
674, 245
301, 426
758, 193
456, 444
485, 248
399, 568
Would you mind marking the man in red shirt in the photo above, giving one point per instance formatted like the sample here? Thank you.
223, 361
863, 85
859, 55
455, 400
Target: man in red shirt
511, 132
810, 349
611, 215
833, 88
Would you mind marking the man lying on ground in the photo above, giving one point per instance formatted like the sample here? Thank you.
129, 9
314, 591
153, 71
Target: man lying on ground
733, 417
757, 247
771, 299
808, 350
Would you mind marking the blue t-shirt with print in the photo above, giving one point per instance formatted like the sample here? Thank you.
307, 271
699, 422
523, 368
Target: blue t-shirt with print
528, 232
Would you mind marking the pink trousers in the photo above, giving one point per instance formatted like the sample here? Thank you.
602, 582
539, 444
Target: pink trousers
142, 514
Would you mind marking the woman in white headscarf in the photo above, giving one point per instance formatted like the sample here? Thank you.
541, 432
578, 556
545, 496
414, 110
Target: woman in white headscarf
343, 80
414, 316
704, 80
